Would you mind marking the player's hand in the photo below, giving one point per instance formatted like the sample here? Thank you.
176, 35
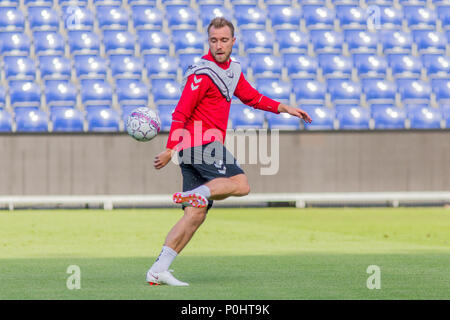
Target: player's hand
162, 159
296, 112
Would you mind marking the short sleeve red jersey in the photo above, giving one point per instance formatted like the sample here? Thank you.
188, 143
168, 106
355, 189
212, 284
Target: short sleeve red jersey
201, 115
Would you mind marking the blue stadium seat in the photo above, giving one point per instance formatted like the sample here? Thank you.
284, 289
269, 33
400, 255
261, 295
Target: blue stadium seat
335, 65
147, 17
344, 91
396, 41
353, 117
351, 16
96, 92
60, 93
24, 93
77, 18
48, 43
370, 65
430, 40
67, 120
138, 2
361, 40
188, 40
445, 111
322, 117
441, 87
10, 3
181, 16
283, 16
300, 65
424, 117
257, 40
211, 11
107, 2
265, 65
112, 17
318, 16
249, 16
5, 121
419, 17
414, 90
79, 3
243, 117
43, 18
90, 66
275, 89
443, 11
404, 65
437, 65
102, 119
253, 2
188, 59
31, 120
390, 17
165, 115
379, 90
83, 42
55, 67
160, 65
12, 19
126, 66
283, 121
153, 41
132, 92
387, 116
17, 67
122, 42
326, 40
244, 61
165, 90
309, 91
14, 43
291, 40
2, 97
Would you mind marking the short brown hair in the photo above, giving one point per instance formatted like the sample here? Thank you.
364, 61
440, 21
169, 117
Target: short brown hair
220, 22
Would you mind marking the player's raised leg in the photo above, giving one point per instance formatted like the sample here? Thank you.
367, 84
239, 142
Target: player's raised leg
216, 189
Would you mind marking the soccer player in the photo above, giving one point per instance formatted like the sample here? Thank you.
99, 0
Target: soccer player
197, 134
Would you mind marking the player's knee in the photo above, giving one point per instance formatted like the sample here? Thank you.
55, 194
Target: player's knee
196, 215
244, 189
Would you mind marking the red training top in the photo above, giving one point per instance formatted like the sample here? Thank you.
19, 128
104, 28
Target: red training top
203, 111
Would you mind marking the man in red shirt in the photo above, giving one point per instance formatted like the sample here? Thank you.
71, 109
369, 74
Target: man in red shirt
198, 130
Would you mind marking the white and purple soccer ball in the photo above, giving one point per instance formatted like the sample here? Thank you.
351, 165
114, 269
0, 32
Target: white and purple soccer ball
143, 124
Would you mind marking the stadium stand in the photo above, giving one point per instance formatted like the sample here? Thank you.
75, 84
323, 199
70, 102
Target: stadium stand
82, 65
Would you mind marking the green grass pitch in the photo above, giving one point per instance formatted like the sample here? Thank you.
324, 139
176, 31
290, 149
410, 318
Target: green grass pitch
238, 253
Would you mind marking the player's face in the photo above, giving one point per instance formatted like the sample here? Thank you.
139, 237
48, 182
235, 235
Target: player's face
221, 43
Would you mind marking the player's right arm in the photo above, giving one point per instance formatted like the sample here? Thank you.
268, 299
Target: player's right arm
194, 90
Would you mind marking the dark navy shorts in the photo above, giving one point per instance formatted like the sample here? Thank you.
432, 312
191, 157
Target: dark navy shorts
204, 163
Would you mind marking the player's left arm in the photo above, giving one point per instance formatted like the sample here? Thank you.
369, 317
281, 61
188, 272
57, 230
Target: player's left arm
251, 97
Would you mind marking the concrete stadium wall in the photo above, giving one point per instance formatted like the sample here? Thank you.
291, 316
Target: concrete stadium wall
108, 164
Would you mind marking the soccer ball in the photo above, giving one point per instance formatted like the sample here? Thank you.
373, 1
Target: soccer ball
143, 124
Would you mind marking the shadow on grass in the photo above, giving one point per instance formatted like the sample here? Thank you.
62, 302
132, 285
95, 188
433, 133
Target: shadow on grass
307, 276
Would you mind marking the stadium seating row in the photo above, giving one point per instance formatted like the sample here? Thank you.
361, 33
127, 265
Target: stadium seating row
343, 117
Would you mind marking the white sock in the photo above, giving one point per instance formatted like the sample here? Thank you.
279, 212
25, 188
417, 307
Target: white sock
164, 260
203, 190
